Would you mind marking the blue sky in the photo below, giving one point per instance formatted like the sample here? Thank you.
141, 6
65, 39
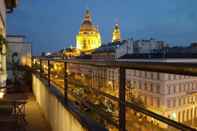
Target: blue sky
52, 24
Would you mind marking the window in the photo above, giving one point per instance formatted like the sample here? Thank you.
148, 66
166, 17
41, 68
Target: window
174, 102
134, 72
179, 101
179, 88
168, 103
145, 86
151, 87
140, 86
145, 75
158, 102
158, 88
174, 77
169, 77
151, 75
168, 87
140, 73
174, 89
158, 76
184, 101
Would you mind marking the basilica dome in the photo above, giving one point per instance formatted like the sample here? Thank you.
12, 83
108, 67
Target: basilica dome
88, 37
87, 26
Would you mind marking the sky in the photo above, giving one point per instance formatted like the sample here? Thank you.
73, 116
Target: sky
51, 25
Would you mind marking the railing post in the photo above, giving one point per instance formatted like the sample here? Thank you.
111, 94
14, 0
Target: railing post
32, 62
40, 67
49, 73
122, 114
65, 82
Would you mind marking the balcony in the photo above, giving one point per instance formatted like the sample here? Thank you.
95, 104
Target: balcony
111, 107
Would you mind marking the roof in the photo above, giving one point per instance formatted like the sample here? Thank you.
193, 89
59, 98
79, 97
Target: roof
84, 56
110, 47
159, 55
14, 35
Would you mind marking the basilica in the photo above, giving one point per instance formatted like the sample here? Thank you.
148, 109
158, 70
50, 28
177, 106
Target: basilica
89, 38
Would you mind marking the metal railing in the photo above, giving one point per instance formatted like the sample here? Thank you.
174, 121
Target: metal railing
174, 68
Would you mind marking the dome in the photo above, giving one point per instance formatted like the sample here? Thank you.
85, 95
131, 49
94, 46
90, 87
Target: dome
88, 37
87, 23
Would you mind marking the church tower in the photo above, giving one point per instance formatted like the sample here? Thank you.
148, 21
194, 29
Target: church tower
88, 37
116, 35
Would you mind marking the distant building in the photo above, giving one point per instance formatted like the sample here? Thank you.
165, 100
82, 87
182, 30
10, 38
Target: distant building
69, 53
19, 49
116, 35
113, 50
148, 46
171, 95
88, 37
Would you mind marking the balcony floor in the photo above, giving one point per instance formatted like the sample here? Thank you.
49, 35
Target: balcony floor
35, 120
35, 117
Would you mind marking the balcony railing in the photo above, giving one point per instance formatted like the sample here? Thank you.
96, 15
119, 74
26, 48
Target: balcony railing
108, 106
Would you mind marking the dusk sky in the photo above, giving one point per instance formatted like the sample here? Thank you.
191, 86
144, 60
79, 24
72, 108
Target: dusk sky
52, 24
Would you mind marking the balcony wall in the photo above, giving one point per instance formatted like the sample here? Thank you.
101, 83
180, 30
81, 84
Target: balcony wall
54, 111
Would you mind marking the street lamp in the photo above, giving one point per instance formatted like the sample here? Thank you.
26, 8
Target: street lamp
193, 111
2, 93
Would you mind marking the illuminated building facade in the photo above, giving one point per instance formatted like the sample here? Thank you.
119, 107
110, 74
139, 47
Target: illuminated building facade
173, 96
116, 35
88, 37
17, 44
71, 53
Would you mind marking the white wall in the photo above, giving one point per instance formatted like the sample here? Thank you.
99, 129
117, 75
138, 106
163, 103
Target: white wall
3, 10
23, 49
59, 118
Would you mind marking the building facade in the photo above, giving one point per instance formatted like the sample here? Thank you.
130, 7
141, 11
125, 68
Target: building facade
114, 50
89, 37
18, 46
148, 46
173, 96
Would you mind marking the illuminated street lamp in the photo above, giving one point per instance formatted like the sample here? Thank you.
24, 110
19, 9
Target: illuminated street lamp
2, 93
193, 111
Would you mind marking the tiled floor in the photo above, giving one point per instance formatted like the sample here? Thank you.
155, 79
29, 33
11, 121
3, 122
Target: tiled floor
34, 116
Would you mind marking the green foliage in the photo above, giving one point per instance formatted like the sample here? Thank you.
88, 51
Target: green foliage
3, 41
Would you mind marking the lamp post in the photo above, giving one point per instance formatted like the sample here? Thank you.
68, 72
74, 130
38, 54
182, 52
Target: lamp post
49, 73
65, 81
122, 114
193, 111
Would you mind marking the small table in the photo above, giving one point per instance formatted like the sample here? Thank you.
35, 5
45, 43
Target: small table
13, 111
